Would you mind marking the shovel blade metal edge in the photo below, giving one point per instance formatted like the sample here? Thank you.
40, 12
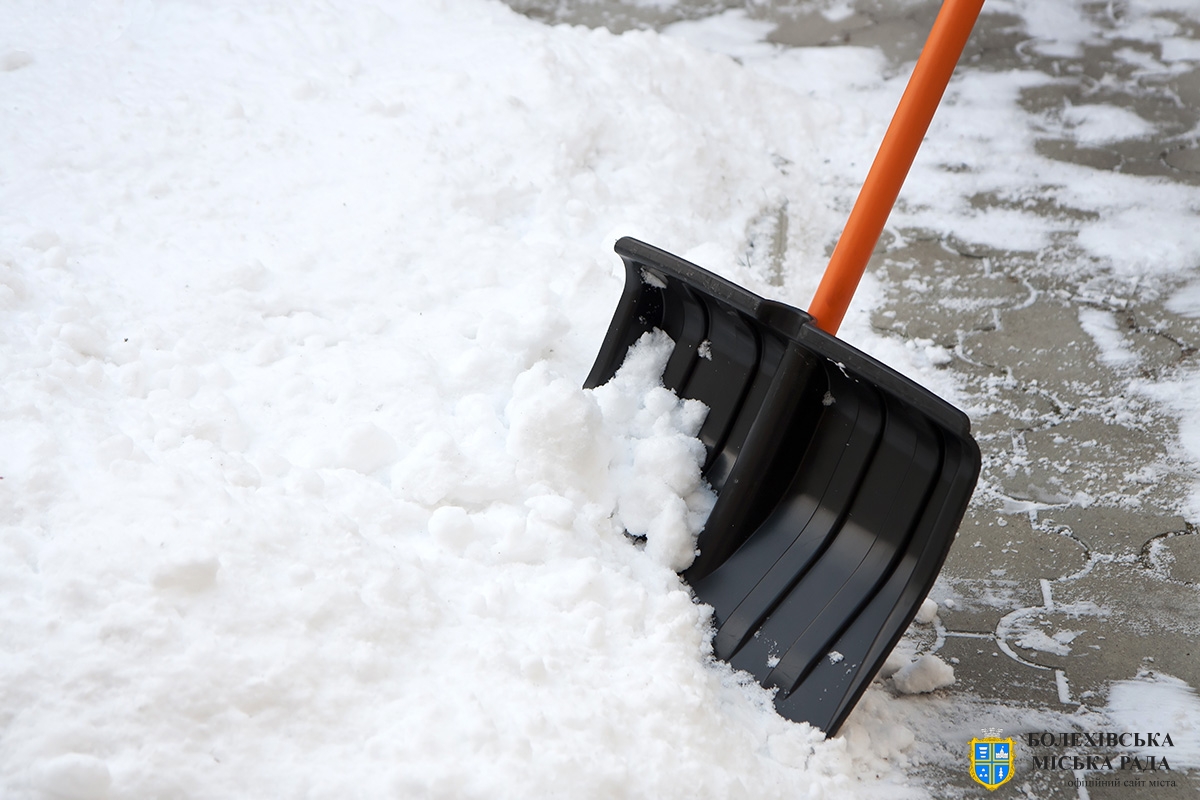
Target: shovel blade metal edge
840, 483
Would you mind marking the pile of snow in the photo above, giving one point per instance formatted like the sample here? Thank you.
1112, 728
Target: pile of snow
301, 496
913, 673
924, 675
927, 614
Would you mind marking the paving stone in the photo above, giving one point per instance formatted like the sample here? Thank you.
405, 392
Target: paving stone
1119, 532
1043, 343
812, 29
982, 670
1176, 556
1006, 547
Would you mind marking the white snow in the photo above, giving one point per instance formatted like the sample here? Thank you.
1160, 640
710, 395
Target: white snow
928, 612
73, 775
1155, 701
928, 673
655, 456
299, 494
1036, 627
1179, 397
1058, 644
1180, 49
1093, 125
1102, 327
1186, 300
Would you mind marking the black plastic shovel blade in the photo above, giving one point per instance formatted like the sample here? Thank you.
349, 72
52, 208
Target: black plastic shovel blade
840, 483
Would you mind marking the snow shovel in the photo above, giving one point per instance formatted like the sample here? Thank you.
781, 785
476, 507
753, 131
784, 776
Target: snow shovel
840, 483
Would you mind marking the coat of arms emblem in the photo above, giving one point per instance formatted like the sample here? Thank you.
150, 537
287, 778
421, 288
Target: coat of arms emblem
992, 759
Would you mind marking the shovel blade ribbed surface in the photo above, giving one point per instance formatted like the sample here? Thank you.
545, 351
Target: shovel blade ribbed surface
840, 483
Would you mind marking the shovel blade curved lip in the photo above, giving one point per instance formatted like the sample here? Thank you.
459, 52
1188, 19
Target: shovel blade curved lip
840, 482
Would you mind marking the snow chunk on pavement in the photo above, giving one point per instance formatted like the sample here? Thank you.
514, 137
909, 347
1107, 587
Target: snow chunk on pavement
928, 612
924, 675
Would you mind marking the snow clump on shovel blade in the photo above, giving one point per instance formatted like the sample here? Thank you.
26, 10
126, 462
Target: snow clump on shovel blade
631, 436
660, 492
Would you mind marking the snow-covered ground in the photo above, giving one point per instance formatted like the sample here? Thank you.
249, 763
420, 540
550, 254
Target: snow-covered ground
299, 494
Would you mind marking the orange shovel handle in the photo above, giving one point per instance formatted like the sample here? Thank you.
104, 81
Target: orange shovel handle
900, 144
